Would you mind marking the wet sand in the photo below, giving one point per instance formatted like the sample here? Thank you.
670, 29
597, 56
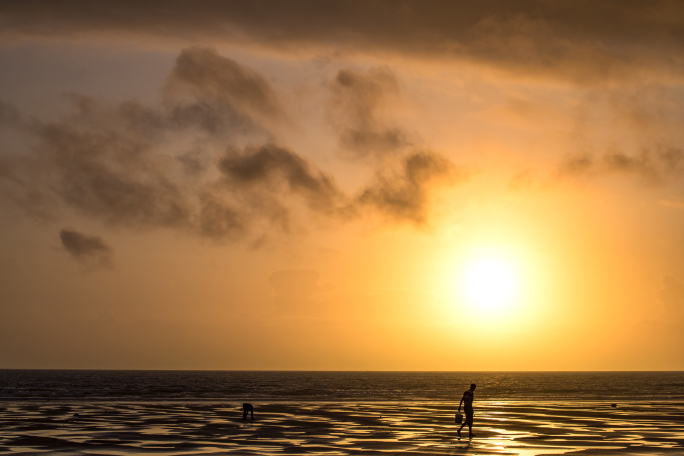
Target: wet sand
374, 428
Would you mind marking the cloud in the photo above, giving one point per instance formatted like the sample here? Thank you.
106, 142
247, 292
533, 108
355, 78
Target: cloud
129, 164
581, 41
106, 174
205, 75
218, 95
650, 165
110, 160
279, 169
219, 220
86, 249
642, 164
404, 195
355, 111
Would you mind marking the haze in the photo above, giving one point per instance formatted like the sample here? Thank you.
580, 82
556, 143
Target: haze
307, 185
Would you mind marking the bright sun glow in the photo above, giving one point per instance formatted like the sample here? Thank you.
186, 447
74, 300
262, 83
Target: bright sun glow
490, 283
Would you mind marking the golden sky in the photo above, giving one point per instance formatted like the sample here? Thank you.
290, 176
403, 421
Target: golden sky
339, 185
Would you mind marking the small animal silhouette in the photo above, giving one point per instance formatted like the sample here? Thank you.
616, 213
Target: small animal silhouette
247, 408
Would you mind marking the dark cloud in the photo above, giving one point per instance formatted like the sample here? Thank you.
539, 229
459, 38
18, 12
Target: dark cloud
206, 75
650, 165
355, 111
280, 170
204, 91
107, 174
87, 249
582, 41
405, 195
624, 163
218, 95
269, 172
219, 220
107, 160
577, 164
119, 163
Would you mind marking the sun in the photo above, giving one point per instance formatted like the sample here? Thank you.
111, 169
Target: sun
490, 283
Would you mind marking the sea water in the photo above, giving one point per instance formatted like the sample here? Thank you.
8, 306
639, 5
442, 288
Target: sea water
113, 385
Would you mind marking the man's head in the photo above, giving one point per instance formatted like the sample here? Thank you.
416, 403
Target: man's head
473, 386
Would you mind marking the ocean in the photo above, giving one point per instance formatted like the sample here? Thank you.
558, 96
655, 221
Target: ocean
127, 385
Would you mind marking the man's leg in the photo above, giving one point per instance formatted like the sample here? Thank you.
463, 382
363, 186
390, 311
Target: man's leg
470, 430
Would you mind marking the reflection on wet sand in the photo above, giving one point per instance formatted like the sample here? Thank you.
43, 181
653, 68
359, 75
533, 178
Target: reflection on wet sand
175, 428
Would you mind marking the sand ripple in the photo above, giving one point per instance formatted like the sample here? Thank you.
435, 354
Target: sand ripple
326, 428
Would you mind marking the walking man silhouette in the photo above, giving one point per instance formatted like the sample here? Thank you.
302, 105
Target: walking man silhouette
467, 400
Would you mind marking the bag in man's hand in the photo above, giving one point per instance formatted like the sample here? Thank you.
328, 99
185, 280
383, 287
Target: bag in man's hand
459, 418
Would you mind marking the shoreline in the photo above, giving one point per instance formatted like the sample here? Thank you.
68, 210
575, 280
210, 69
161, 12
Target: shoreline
533, 400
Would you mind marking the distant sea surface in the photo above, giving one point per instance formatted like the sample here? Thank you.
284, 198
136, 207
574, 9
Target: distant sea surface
113, 385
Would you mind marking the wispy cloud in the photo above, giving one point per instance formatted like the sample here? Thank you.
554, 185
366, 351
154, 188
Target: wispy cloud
87, 249
650, 165
356, 112
404, 194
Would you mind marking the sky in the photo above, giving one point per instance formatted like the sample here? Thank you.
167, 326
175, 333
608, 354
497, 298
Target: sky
338, 185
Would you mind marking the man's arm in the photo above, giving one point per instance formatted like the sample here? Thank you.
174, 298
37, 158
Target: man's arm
459, 405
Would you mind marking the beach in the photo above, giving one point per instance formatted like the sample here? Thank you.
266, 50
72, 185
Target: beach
339, 428
346, 214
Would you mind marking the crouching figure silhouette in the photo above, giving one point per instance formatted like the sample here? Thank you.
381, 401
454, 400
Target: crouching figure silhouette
247, 408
